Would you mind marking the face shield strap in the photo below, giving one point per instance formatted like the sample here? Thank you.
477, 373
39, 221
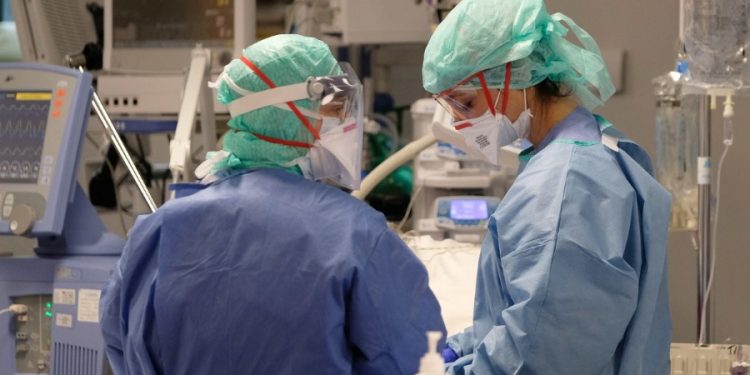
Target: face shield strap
229, 81
456, 86
486, 91
506, 90
506, 87
283, 142
291, 105
253, 101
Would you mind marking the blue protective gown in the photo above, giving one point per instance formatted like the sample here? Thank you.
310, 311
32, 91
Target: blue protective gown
265, 272
573, 274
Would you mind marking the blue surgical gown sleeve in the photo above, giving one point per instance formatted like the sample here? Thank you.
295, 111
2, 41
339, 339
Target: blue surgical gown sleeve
463, 342
391, 308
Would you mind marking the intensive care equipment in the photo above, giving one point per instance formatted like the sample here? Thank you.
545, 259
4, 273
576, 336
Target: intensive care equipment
454, 193
341, 22
710, 75
451, 264
51, 324
148, 48
462, 218
152, 37
677, 144
715, 34
725, 359
453, 223
49, 30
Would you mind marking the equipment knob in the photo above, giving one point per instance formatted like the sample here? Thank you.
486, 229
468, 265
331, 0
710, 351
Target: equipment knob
21, 219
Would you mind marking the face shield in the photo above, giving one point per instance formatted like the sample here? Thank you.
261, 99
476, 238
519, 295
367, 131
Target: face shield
334, 122
338, 160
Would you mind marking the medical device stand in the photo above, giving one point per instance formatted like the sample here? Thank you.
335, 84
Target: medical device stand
122, 151
196, 93
111, 131
704, 225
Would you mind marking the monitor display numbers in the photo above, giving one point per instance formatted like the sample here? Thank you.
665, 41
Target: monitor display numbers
469, 209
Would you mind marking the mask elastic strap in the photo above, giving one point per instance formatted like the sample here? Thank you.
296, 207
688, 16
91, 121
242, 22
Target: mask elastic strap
506, 88
291, 105
525, 104
497, 99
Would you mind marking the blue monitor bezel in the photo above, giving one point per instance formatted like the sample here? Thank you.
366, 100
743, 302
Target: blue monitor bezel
69, 155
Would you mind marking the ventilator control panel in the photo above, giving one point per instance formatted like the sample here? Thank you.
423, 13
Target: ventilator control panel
42, 111
33, 334
465, 213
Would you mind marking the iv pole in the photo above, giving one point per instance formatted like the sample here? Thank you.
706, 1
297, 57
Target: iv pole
704, 226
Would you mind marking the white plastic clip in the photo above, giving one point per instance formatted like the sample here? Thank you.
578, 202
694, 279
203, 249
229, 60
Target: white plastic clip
611, 142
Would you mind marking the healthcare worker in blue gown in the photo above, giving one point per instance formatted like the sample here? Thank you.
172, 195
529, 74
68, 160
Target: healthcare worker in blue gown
572, 276
259, 268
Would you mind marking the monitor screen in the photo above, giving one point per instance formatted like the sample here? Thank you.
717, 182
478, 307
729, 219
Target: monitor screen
23, 125
469, 209
173, 24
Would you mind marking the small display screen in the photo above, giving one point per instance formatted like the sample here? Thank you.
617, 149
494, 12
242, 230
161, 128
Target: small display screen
469, 209
23, 124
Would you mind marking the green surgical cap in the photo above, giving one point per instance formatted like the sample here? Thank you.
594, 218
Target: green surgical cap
484, 35
286, 59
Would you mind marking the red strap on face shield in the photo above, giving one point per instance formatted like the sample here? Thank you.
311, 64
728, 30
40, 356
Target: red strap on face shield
291, 105
488, 95
506, 88
486, 90
284, 142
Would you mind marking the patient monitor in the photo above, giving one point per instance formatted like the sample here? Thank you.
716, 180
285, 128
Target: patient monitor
43, 115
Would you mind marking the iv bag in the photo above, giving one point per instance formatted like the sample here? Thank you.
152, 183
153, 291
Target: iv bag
677, 146
715, 33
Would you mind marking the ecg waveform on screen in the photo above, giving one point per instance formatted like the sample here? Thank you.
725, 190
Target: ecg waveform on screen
28, 129
23, 128
31, 107
17, 152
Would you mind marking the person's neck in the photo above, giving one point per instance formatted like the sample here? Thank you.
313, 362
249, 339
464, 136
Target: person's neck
557, 110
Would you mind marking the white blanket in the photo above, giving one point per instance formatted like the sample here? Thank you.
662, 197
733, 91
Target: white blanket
452, 267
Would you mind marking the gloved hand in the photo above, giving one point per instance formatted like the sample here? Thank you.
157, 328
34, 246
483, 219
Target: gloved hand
449, 356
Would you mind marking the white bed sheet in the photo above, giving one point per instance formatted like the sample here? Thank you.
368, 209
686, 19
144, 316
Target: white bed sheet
452, 267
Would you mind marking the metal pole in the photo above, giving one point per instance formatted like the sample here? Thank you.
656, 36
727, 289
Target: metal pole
111, 131
704, 225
